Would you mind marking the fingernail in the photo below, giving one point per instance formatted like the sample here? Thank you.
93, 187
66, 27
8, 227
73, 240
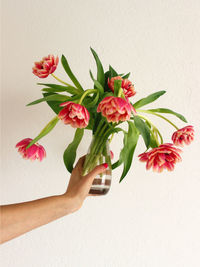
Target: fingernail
105, 165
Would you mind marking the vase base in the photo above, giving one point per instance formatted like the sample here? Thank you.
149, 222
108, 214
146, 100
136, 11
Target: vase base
99, 192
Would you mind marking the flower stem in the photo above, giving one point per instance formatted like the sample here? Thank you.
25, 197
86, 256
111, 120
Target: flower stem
44, 131
61, 81
121, 93
111, 138
154, 129
158, 115
89, 91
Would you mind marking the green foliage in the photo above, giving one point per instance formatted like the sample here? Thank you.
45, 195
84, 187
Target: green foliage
126, 154
149, 99
70, 73
130, 145
112, 72
53, 97
91, 101
117, 87
69, 155
126, 76
45, 131
54, 88
54, 105
99, 87
166, 110
100, 71
97, 84
143, 129
153, 142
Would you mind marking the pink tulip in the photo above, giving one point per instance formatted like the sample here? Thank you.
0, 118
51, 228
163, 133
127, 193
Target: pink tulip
34, 152
46, 66
127, 86
163, 157
111, 155
115, 109
183, 136
74, 114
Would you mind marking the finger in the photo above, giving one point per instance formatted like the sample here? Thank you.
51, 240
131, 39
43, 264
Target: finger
81, 161
97, 170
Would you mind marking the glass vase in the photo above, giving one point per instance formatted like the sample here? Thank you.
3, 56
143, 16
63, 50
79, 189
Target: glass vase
99, 153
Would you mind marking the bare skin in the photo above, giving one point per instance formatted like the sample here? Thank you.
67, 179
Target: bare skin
17, 219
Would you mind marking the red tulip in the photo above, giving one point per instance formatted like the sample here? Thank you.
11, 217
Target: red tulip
46, 66
183, 136
34, 152
115, 109
163, 157
126, 85
74, 114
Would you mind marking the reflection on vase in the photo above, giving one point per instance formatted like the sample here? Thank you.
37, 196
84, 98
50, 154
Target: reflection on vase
99, 153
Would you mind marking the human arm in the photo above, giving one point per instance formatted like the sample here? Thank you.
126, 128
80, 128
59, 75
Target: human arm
17, 219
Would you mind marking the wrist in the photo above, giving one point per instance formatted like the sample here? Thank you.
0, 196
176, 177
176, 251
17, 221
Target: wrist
70, 203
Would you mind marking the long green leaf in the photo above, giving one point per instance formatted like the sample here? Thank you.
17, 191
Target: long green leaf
149, 99
91, 75
70, 73
166, 110
60, 88
143, 129
69, 155
99, 87
131, 142
97, 84
100, 71
54, 97
45, 131
122, 153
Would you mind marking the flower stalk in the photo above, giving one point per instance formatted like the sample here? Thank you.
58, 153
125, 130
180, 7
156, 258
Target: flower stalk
158, 115
59, 80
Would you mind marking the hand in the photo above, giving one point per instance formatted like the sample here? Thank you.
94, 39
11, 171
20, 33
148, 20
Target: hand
79, 186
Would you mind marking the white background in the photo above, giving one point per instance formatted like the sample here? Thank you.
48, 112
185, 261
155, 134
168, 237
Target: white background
149, 220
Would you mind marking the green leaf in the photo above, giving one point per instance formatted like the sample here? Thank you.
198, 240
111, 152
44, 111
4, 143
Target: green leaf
97, 84
93, 102
54, 105
143, 129
69, 155
153, 142
149, 99
126, 76
60, 88
129, 148
99, 87
91, 75
117, 87
166, 110
70, 73
113, 73
100, 71
122, 153
53, 97
45, 131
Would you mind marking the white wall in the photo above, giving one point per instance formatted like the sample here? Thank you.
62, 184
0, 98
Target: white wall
149, 220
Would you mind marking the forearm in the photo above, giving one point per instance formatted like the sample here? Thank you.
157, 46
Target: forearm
17, 219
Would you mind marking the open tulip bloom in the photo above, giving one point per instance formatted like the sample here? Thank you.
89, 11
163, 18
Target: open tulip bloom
102, 109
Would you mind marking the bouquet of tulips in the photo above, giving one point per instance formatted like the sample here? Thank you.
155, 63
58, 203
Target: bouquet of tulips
102, 109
